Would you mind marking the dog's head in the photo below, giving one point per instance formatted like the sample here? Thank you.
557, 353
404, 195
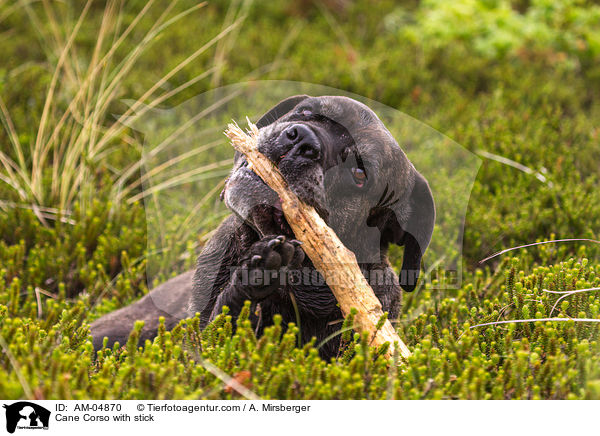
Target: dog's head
337, 156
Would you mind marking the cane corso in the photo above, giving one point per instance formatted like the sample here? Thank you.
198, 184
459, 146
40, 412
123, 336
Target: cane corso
337, 156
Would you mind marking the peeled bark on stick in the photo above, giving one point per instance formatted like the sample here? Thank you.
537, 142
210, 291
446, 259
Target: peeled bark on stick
334, 261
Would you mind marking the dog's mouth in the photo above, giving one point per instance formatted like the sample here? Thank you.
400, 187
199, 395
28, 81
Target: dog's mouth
269, 220
248, 196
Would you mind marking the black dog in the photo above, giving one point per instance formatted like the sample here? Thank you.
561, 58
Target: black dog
337, 156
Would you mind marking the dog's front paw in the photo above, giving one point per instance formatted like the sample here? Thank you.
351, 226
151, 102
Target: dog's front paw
266, 266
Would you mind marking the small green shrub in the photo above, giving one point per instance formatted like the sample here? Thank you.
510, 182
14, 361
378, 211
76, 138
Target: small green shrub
497, 28
451, 358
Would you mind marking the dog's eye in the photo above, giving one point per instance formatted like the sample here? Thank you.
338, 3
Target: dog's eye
359, 175
305, 111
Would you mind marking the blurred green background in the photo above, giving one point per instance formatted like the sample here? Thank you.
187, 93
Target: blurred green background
515, 83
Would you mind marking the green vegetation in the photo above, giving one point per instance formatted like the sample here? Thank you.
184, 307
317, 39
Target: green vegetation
513, 80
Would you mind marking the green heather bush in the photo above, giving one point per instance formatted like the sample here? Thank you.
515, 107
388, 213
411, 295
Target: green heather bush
506, 80
451, 359
497, 28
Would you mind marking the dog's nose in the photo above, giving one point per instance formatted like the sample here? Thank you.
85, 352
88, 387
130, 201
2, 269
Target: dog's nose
300, 141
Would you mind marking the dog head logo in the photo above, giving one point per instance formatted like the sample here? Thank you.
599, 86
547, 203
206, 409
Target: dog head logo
26, 415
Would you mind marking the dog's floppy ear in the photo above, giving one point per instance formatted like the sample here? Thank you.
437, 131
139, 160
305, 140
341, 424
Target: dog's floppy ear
415, 233
280, 109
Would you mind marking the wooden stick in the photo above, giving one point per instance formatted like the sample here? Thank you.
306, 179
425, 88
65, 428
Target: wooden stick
334, 261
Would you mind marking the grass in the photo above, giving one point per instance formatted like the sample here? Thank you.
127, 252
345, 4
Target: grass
84, 225
76, 130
